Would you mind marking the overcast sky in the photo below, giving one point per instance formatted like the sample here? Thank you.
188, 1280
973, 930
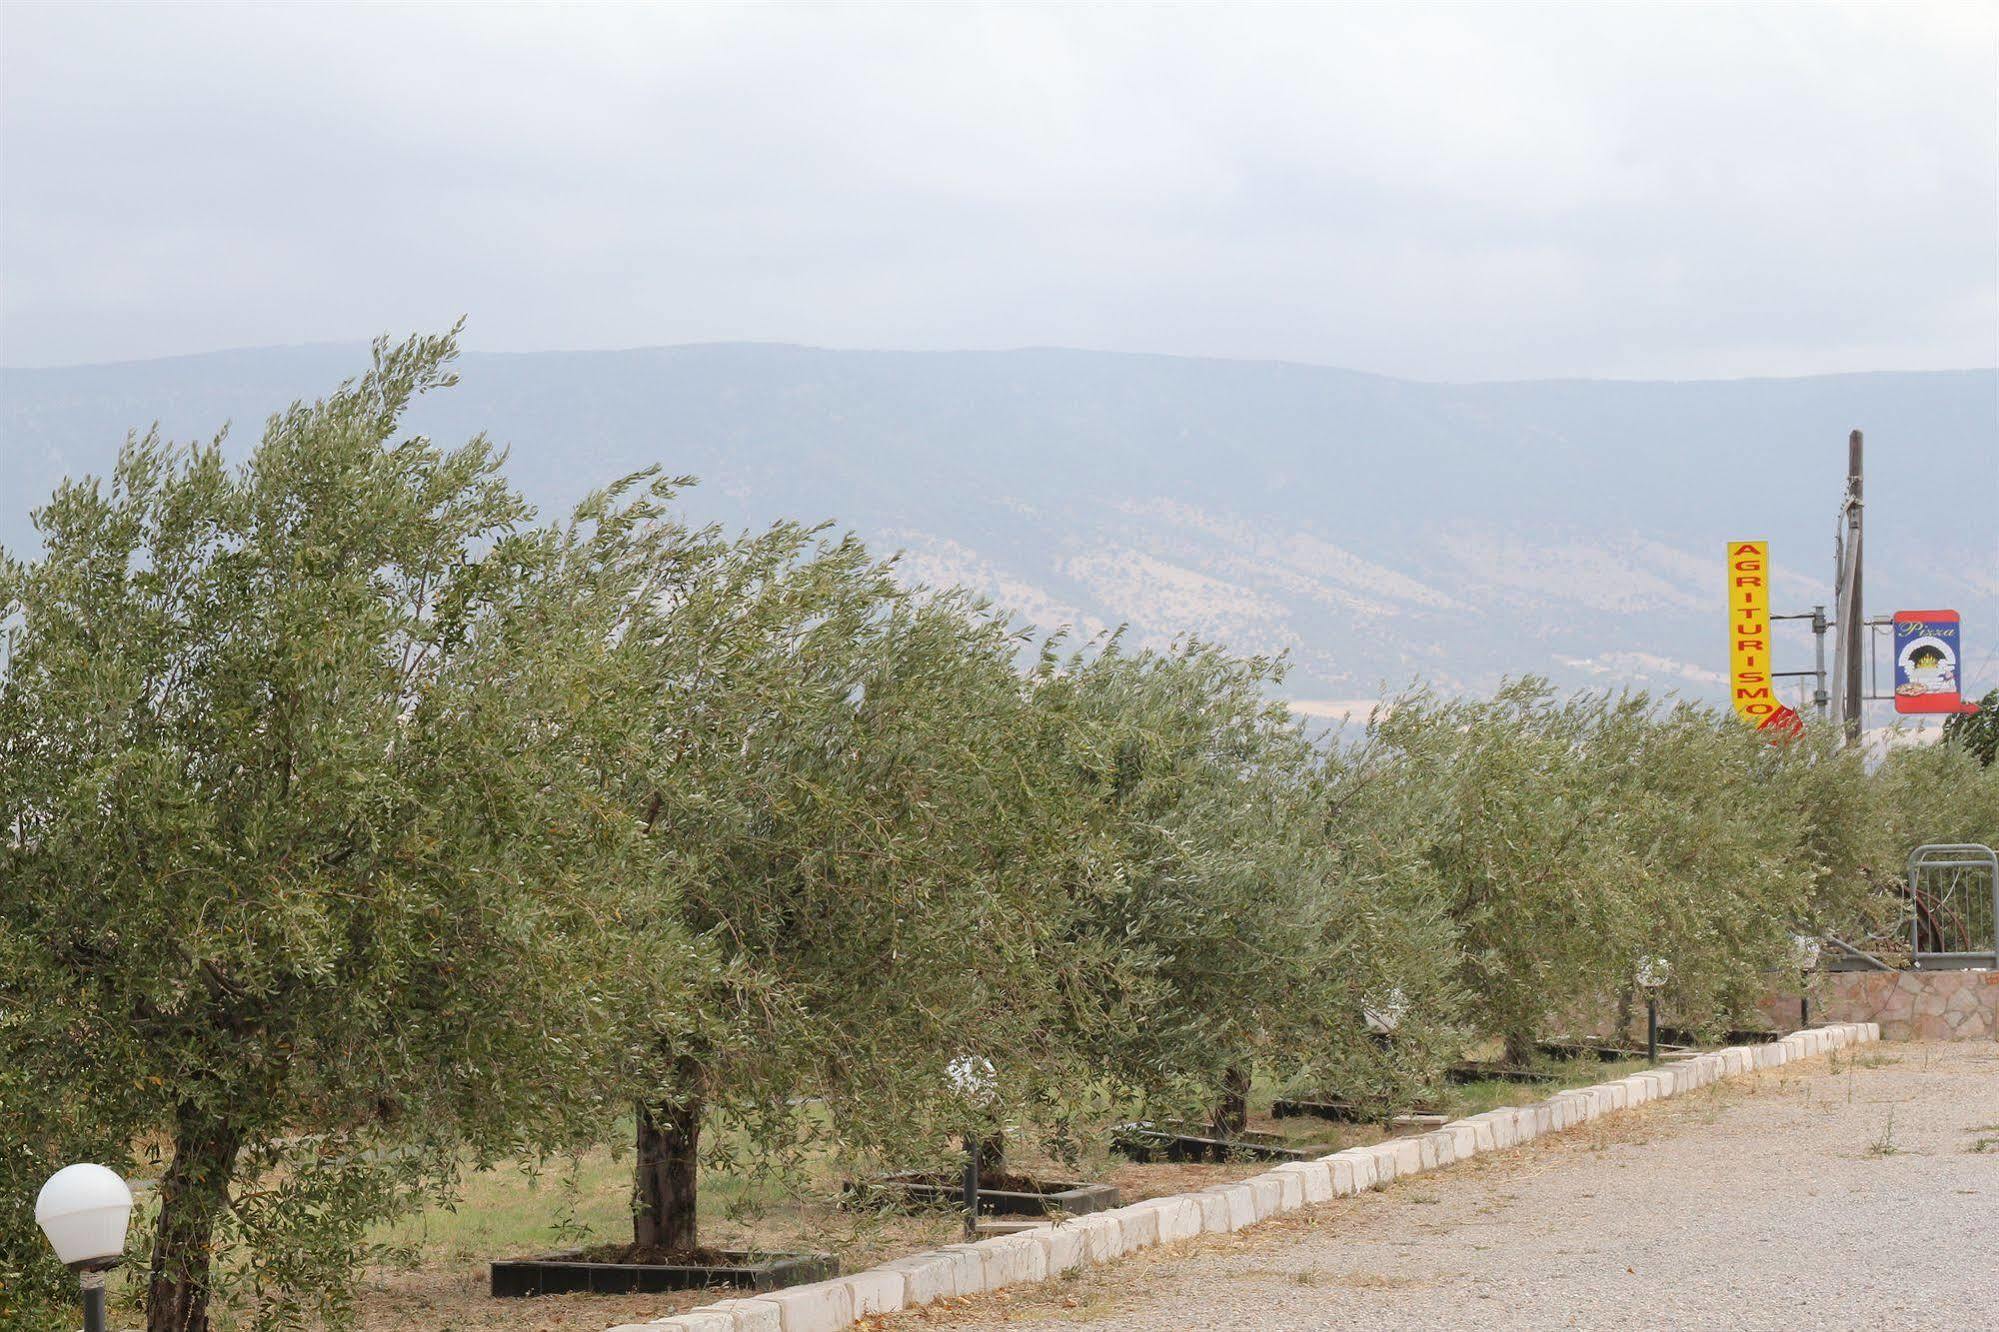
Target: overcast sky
1443, 193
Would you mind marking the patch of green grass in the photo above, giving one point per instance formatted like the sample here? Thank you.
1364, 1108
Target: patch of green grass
1471, 1098
511, 1211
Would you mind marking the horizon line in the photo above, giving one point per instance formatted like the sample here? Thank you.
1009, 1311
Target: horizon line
333, 344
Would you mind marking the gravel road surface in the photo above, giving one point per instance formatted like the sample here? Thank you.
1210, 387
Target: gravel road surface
1836, 1193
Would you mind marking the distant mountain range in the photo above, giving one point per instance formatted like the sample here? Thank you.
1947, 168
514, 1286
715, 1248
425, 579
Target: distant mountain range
1375, 529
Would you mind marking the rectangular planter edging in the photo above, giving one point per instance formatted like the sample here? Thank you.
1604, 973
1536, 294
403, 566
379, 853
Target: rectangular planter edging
1004, 1261
564, 1274
1072, 1197
1346, 1112
1146, 1142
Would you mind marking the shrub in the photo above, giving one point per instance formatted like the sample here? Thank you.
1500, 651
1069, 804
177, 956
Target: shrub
1977, 732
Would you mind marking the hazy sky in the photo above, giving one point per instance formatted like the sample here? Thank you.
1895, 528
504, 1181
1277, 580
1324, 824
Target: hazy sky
1445, 192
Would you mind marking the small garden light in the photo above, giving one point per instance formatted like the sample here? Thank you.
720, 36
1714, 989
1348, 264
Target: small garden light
84, 1209
1652, 975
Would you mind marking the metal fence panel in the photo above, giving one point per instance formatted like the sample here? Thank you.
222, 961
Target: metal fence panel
1954, 899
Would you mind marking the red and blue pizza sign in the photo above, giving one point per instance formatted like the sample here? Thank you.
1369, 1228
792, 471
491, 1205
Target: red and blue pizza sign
1926, 657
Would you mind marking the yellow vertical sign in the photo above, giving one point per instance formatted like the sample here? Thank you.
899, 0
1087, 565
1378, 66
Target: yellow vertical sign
1750, 686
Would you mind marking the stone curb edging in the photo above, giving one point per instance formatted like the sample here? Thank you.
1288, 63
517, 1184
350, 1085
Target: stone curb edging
1029, 1256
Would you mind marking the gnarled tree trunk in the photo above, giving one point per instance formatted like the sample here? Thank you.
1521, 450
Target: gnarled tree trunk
1520, 1049
193, 1196
1231, 1117
665, 1173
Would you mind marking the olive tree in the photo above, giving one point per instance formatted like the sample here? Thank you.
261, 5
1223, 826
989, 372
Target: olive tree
1935, 793
840, 778
1842, 839
1720, 856
1977, 732
1511, 800
313, 886
1222, 911
1399, 967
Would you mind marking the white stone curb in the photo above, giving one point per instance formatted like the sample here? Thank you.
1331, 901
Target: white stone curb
1036, 1255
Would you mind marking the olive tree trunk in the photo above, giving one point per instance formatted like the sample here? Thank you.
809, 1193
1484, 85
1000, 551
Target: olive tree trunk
1231, 1116
1520, 1049
665, 1174
193, 1196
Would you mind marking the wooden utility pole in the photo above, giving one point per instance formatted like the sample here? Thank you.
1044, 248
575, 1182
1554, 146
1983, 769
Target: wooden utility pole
1850, 643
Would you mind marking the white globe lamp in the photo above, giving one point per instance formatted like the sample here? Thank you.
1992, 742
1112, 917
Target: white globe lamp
973, 1078
84, 1210
1384, 1015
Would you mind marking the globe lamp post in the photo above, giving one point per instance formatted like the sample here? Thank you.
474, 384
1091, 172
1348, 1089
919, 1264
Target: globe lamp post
1653, 973
1805, 952
84, 1209
975, 1082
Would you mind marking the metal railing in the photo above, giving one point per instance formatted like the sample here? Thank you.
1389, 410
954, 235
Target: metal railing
1954, 901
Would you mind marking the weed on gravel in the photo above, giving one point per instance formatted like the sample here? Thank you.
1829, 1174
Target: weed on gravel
1885, 1144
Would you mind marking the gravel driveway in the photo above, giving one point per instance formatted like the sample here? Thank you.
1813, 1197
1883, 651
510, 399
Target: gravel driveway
1834, 1193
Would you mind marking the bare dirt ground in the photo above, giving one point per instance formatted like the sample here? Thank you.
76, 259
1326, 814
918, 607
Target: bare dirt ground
1850, 1192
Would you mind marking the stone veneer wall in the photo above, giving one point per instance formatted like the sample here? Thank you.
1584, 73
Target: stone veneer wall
1912, 1005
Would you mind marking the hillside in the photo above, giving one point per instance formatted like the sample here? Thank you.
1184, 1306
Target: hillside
1376, 529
